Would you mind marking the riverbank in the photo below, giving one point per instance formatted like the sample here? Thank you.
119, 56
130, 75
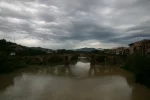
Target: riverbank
139, 65
10, 63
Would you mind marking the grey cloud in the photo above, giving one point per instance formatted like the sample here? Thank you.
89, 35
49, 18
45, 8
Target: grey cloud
85, 30
10, 27
5, 12
66, 23
47, 14
141, 26
125, 40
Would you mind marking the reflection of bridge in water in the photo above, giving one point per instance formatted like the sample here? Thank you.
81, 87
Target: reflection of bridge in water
82, 68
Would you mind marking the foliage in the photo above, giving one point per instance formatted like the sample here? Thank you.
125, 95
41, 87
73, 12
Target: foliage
8, 47
30, 52
10, 63
4, 46
74, 57
140, 65
98, 51
64, 51
100, 59
55, 59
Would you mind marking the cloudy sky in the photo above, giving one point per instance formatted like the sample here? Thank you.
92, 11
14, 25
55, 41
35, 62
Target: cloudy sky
74, 23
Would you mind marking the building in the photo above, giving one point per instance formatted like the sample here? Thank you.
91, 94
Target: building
121, 51
126, 51
118, 51
142, 46
12, 54
49, 51
16, 48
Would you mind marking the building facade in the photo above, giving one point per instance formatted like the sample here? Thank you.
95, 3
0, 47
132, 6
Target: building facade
118, 51
142, 46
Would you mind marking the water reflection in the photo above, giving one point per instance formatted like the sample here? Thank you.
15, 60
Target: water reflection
80, 69
43, 87
80, 81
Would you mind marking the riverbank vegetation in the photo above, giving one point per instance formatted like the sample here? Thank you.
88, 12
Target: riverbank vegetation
10, 63
14, 56
139, 64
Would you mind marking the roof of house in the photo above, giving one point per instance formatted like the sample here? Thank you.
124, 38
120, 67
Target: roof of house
140, 41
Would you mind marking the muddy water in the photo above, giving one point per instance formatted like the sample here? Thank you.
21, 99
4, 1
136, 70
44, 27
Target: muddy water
79, 81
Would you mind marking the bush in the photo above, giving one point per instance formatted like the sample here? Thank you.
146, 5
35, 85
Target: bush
140, 65
74, 57
10, 63
31, 61
55, 59
100, 59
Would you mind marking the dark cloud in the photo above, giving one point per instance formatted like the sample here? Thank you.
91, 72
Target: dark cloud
75, 23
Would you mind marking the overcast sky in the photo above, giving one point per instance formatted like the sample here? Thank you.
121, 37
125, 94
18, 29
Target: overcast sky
69, 24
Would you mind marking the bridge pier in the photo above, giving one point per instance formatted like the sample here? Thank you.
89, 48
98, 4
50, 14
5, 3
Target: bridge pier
92, 61
66, 61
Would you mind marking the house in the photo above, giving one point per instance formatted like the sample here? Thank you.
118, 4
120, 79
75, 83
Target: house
16, 48
126, 51
142, 46
118, 51
122, 51
12, 54
49, 51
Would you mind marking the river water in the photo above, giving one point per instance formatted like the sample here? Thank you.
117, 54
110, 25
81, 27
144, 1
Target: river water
78, 81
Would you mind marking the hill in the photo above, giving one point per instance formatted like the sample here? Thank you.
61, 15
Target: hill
8, 47
86, 49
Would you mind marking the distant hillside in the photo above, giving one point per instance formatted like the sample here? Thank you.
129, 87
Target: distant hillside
86, 49
40, 48
9, 47
100, 49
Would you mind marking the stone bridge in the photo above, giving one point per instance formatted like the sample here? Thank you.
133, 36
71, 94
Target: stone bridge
66, 58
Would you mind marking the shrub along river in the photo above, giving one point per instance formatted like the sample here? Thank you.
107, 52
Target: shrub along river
78, 81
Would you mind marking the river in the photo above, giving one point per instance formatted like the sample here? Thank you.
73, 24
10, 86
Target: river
78, 81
